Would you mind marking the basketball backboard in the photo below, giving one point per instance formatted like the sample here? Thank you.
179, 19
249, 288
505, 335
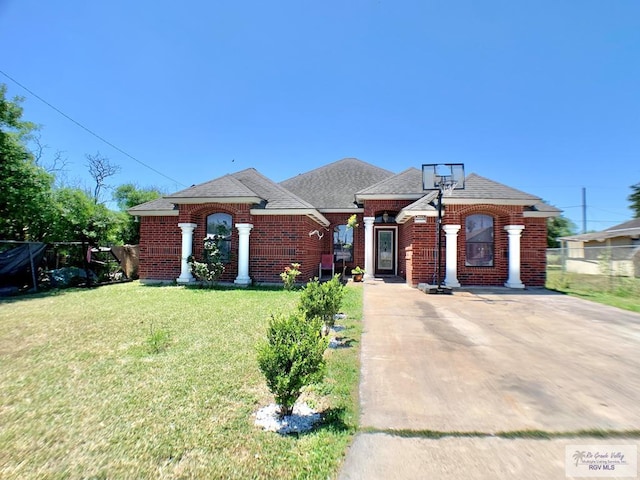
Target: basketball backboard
443, 176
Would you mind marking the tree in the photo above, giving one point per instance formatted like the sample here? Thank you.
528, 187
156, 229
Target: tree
79, 218
634, 198
129, 195
100, 168
292, 357
25, 188
558, 227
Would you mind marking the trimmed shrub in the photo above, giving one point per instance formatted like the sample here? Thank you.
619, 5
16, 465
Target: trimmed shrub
292, 357
322, 300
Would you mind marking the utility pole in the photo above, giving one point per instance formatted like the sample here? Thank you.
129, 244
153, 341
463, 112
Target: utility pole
584, 210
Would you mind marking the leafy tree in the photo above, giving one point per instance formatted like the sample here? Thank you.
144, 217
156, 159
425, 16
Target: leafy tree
79, 218
129, 195
634, 198
558, 227
25, 188
292, 357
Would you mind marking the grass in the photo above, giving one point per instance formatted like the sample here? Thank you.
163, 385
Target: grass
128, 381
621, 292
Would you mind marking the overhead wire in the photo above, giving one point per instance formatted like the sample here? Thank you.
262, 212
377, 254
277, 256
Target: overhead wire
88, 130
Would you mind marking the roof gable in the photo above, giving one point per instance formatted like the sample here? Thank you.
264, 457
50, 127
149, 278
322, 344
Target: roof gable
634, 223
408, 182
481, 188
333, 186
227, 187
275, 196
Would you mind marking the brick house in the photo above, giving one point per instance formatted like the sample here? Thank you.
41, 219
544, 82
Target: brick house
493, 234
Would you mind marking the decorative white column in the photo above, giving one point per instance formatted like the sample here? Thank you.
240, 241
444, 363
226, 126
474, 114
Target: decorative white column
368, 247
187, 248
243, 254
451, 257
514, 232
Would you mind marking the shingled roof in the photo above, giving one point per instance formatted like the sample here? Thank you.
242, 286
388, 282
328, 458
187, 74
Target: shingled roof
247, 186
480, 188
406, 184
336, 187
333, 186
157, 207
630, 228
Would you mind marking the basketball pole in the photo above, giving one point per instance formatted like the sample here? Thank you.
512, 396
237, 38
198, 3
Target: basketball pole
440, 289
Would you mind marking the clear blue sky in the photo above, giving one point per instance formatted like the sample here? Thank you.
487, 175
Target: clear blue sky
541, 95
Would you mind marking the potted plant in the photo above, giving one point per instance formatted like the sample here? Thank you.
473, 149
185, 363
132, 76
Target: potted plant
357, 274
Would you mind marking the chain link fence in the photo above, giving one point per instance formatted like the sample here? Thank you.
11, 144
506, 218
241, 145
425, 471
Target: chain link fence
599, 269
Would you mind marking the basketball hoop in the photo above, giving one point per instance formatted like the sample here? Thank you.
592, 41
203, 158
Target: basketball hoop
448, 188
443, 178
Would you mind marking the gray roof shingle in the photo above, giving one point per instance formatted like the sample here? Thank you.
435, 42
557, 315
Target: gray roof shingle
334, 186
629, 228
408, 182
227, 186
481, 188
157, 205
276, 196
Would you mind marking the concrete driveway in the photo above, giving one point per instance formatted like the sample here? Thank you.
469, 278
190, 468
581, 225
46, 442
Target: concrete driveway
486, 361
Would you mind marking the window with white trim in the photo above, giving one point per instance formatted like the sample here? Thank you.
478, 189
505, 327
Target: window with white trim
220, 224
479, 239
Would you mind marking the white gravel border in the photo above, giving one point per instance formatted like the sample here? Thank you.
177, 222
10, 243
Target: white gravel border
302, 420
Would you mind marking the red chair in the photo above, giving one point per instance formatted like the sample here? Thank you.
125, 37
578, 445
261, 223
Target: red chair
326, 263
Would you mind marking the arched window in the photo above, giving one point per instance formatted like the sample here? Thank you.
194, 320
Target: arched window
342, 243
479, 235
220, 224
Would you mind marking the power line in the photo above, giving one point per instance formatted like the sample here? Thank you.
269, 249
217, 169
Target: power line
102, 139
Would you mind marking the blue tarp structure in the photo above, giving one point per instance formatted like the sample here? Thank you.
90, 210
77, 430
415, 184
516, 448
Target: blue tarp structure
16, 264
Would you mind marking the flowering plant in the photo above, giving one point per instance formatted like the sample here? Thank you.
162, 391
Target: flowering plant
289, 275
212, 267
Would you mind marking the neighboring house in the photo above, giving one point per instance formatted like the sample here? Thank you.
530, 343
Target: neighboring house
493, 234
615, 250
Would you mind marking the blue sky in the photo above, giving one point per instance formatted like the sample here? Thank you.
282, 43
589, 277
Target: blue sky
543, 96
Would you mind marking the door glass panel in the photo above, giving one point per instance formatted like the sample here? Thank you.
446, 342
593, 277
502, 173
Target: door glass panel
385, 250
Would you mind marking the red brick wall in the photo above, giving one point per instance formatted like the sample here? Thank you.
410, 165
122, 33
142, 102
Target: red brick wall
423, 252
277, 241
198, 214
502, 215
533, 245
160, 248
274, 243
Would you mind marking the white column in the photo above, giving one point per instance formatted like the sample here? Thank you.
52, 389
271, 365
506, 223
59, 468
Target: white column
514, 232
451, 257
187, 248
243, 254
368, 247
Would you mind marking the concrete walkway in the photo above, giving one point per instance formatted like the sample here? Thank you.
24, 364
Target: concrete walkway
482, 362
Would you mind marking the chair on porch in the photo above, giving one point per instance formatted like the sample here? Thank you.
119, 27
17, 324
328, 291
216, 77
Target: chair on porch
326, 263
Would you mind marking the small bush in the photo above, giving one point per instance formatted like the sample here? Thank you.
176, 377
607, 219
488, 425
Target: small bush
289, 276
291, 358
322, 300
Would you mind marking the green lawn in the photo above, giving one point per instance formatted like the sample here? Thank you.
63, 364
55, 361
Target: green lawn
83, 396
621, 292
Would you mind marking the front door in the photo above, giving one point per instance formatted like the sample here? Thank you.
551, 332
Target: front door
385, 251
